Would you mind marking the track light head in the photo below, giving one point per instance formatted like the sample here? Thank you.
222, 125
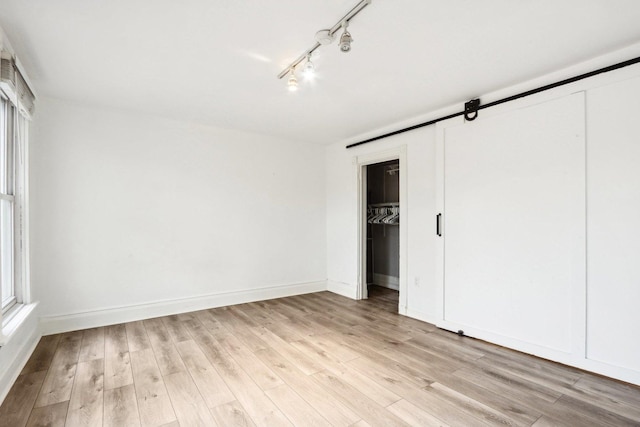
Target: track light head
309, 70
345, 40
292, 83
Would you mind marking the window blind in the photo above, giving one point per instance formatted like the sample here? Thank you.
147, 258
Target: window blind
14, 85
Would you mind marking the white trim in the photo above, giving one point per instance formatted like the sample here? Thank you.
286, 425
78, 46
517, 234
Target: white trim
344, 289
361, 162
622, 374
385, 281
362, 292
403, 290
16, 358
109, 316
380, 156
23, 288
22, 357
576, 360
12, 319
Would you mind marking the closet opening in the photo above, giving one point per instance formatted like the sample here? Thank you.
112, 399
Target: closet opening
383, 233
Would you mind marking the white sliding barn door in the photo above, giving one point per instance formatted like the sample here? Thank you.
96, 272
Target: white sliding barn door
513, 204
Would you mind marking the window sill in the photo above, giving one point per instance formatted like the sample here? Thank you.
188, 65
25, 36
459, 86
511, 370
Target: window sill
12, 320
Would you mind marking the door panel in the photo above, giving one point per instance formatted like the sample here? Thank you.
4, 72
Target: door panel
514, 224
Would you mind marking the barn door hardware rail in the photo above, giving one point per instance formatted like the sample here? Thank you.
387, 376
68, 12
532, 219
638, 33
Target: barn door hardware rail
473, 106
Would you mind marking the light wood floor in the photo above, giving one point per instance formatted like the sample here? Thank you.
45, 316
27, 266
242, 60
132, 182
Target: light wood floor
317, 359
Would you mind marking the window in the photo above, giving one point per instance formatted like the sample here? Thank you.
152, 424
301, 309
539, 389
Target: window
16, 107
8, 291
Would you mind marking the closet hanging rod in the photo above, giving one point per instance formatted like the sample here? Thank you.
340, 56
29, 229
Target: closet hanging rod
503, 100
379, 205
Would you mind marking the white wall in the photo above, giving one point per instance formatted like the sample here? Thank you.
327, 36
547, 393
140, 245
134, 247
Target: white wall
133, 210
342, 218
4, 42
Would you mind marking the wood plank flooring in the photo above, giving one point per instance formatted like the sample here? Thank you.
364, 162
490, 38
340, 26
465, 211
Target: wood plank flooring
309, 360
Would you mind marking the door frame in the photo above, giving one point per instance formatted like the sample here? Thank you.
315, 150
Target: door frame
361, 162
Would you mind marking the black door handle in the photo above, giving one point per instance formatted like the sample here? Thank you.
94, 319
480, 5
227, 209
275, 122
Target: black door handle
438, 229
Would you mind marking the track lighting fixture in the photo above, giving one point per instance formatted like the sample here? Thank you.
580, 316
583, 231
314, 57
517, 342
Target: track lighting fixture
345, 39
323, 38
292, 83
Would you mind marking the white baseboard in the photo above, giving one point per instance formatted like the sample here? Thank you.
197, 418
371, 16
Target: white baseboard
620, 373
340, 288
576, 360
110, 316
385, 281
16, 352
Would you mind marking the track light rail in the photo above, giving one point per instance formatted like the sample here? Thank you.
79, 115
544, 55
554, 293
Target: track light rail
345, 19
477, 107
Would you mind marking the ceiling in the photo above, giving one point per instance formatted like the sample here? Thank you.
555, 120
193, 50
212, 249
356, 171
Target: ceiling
216, 61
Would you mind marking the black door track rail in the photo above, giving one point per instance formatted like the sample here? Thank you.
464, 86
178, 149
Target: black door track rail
472, 107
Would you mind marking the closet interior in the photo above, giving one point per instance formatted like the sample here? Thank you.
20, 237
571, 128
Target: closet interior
383, 231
